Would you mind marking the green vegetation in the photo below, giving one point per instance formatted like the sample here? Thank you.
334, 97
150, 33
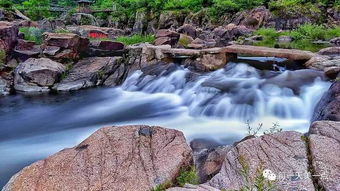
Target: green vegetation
186, 175
32, 34
61, 30
68, 68
2, 57
303, 37
251, 131
35, 9
259, 182
134, 39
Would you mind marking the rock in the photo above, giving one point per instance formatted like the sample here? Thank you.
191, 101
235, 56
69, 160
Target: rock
206, 62
140, 23
335, 41
221, 36
324, 144
49, 25
51, 50
332, 72
71, 45
330, 51
8, 36
82, 19
105, 48
26, 49
37, 75
319, 62
166, 37
6, 83
283, 153
188, 30
200, 18
254, 18
333, 15
171, 19
285, 39
86, 30
190, 187
197, 44
184, 40
328, 107
113, 158
255, 38
89, 72
208, 162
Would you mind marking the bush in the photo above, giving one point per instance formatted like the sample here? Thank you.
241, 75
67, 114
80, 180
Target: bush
187, 176
61, 30
295, 8
7, 4
36, 9
129, 40
268, 33
32, 34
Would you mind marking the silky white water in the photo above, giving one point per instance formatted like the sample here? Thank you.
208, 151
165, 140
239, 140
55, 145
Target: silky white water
213, 105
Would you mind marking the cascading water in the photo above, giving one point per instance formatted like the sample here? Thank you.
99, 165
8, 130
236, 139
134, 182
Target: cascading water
212, 105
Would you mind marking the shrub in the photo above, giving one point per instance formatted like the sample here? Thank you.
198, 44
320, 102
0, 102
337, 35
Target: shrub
36, 9
188, 175
7, 4
294, 8
61, 30
32, 34
129, 40
268, 33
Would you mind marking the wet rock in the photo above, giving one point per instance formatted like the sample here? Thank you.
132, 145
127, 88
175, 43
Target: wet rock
328, 107
324, 144
166, 37
335, 41
190, 187
319, 62
37, 75
113, 158
330, 51
206, 62
283, 153
89, 72
332, 72
6, 83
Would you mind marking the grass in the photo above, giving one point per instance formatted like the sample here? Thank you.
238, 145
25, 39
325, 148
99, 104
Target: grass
135, 39
32, 34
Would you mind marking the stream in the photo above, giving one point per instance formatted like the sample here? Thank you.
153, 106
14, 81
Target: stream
214, 105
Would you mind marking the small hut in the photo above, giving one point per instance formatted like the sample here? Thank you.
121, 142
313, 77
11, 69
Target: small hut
84, 6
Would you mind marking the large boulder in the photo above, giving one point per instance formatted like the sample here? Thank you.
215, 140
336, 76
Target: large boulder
113, 158
37, 75
6, 83
26, 49
324, 144
328, 107
71, 45
171, 19
140, 23
284, 154
89, 72
188, 30
8, 35
330, 51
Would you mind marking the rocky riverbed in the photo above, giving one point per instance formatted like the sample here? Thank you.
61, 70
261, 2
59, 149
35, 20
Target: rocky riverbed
235, 116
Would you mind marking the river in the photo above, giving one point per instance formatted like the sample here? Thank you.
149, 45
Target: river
214, 105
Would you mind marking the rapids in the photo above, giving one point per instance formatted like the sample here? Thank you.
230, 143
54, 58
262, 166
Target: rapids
213, 105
